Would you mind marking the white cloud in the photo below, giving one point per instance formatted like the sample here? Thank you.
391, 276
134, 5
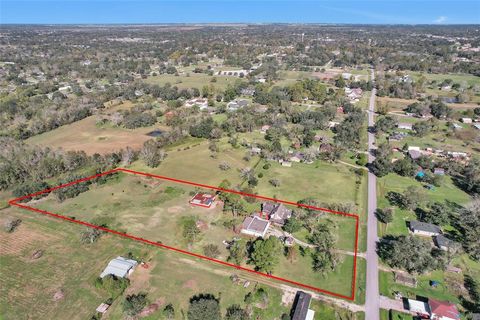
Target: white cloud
440, 19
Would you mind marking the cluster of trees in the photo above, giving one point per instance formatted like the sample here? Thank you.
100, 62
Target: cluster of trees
113, 285
410, 253
324, 258
348, 133
469, 224
26, 167
465, 220
465, 176
310, 89
26, 114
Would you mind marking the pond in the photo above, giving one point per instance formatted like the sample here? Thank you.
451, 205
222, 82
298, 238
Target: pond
155, 133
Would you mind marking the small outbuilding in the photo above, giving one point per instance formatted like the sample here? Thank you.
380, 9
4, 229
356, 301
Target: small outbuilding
102, 308
405, 126
444, 243
419, 307
302, 309
120, 267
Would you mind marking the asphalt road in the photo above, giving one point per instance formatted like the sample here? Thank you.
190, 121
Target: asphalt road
372, 301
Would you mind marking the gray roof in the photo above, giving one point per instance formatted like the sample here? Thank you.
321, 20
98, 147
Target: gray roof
301, 306
414, 154
423, 226
119, 267
443, 241
277, 212
255, 224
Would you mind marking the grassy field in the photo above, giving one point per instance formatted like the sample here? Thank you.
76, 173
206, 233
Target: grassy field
394, 315
394, 182
450, 287
91, 137
456, 77
153, 209
72, 267
328, 313
328, 183
194, 80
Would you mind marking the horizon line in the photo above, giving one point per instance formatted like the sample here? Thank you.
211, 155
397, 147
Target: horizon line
232, 23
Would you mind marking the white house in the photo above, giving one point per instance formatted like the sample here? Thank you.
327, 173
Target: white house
419, 307
405, 126
202, 103
237, 104
466, 120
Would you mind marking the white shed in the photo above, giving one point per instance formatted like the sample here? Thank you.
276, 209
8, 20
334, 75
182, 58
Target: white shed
120, 267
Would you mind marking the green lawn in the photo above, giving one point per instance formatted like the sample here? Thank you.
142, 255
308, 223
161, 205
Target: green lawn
153, 209
195, 80
325, 312
449, 288
456, 77
71, 266
394, 182
443, 292
394, 315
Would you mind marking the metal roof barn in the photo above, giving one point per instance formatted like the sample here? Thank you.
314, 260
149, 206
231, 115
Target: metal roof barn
119, 267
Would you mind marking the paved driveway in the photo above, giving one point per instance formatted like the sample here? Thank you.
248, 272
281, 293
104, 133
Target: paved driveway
372, 301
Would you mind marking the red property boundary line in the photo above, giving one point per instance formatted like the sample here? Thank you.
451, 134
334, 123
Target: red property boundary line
14, 202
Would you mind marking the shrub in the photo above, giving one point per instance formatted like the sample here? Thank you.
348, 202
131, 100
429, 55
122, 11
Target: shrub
11, 224
134, 303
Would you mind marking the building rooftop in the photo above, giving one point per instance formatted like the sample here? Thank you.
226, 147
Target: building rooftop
255, 224
302, 303
443, 241
443, 309
418, 307
423, 226
119, 267
203, 199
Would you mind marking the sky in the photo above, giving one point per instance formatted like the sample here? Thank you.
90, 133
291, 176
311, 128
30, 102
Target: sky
232, 11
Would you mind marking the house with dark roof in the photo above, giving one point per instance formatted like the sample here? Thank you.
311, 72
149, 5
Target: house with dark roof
424, 229
276, 212
255, 226
301, 309
443, 310
444, 243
